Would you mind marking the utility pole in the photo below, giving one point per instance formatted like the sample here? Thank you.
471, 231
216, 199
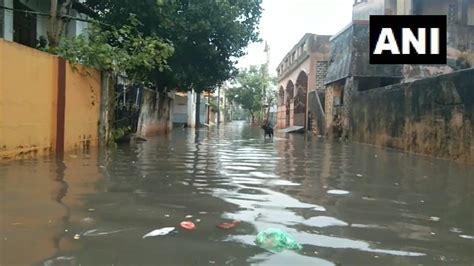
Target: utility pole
218, 105
266, 74
209, 108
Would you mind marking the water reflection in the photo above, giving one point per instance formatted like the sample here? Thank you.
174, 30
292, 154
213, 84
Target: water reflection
346, 203
36, 209
58, 193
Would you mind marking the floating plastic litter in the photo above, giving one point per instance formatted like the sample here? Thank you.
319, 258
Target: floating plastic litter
276, 240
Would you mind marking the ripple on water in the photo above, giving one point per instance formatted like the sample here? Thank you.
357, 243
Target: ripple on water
324, 221
263, 175
239, 168
467, 237
338, 192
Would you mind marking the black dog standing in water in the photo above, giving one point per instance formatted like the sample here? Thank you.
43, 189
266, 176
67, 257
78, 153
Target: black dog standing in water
268, 131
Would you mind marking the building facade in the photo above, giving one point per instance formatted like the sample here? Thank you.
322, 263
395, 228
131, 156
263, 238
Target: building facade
26, 21
349, 69
300, 73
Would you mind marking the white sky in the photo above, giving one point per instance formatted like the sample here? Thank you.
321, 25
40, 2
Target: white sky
284, 22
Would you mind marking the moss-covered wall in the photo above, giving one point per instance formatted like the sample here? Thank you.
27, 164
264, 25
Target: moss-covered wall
432, 116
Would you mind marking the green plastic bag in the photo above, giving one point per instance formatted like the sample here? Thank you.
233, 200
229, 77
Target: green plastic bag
276, 240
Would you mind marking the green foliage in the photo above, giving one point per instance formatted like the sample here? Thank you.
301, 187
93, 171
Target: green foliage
119, 133
208, 35
124, 50
252, 89
213, 105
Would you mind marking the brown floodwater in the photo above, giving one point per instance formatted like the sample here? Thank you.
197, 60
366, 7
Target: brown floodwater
345, 203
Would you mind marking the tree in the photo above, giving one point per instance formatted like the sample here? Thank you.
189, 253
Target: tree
123, 50
208, 36
57, 21
250, 88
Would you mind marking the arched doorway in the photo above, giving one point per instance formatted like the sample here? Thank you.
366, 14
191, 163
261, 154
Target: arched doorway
281, 108
299, 110
289, 100
281, 96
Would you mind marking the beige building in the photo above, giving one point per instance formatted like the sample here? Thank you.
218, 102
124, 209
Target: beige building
300, 73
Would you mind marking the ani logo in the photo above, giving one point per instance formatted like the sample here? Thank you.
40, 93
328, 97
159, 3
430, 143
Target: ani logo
408, 40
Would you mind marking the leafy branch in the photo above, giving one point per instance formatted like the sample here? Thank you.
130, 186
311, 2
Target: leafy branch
124, 50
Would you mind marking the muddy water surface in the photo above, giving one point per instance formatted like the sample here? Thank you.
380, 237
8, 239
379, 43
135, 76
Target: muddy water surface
345, 203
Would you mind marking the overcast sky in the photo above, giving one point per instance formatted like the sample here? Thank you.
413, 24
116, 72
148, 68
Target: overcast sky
284, 22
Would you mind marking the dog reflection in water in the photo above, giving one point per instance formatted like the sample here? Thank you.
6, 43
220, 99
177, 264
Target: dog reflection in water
267, 128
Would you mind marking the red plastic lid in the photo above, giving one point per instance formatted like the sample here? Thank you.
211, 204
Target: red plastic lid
228, 225
188, 225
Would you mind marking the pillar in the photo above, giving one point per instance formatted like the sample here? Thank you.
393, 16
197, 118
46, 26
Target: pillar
7, 20
191, 109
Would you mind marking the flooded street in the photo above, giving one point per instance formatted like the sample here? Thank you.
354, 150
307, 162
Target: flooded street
345, 203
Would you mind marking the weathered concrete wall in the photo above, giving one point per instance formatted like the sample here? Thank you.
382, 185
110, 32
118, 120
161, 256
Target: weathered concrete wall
460, 35
470, 12
298, 119
321, 73
155, 114
333, 108
320, 51
460, 54
433, 116
460, 42
83, 96
316, 115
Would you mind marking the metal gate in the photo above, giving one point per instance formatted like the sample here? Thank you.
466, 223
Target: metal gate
128, 105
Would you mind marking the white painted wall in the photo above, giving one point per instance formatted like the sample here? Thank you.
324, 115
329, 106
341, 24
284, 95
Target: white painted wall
41, 26
8, 21
76, 27
180, 109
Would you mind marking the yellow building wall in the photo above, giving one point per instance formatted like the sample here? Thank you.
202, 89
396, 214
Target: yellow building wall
28, 88
82, 108
28, 103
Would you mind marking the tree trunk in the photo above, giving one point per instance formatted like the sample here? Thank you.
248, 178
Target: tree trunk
53, 23
57, 24
198, 109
